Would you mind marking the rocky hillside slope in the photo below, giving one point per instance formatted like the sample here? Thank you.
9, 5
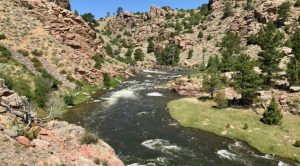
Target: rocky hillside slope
26, 141
159, 24
64, 42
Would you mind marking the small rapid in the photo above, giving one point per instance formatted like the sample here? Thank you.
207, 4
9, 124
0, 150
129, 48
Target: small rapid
134, 120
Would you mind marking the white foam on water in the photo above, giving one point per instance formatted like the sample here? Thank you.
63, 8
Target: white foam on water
282, 164
124, 93
155, 94
161, 145
149, 76
142, 113
136, 164
227, 155
154, 71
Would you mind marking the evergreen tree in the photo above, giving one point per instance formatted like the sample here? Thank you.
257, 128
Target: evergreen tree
190, 54
284, 11
272, 115
139, 55
297, 4
269, 39
90, 19
200, 35
119, 11
106, 80
293, 67
213, 62
178, 27
249, 5
247, 81
212, 81
109, 50
129, 52
227, 10
230, 46
76, 13
150, 46
169, 56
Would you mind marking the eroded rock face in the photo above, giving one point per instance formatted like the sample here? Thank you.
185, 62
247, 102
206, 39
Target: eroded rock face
9, 98
156, 12
62, 3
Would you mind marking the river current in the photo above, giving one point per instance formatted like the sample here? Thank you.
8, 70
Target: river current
133, 119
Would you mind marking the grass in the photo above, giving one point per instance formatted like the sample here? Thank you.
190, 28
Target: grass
276, 140
83, 95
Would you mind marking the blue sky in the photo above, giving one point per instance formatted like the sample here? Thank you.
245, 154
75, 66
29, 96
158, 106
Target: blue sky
100, 7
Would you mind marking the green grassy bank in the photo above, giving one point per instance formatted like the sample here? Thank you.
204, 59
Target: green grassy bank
276, 140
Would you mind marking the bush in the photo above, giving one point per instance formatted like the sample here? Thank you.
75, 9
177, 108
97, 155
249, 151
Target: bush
200, 35
98, 61
190, 54
227, 10
88, 138
106, 80
4, 52
23, 52
37, 52
272, 115
209, 37
297, 4
150, 46
169, 56
69, 100
129, 52
109, 50
221, 100
139, 55
297, 144
2, 36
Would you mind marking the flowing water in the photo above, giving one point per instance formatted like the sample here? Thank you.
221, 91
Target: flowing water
134, 120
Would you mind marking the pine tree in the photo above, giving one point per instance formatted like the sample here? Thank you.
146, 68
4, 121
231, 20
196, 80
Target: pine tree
190, 54
269, 39
90, 19
200, 35
76, 13
230, 46
272, 115
293, 67
247, 81
106, 80
227, 10
297, 4
284, 11
150, 46
249, 5
139, 55
212, 81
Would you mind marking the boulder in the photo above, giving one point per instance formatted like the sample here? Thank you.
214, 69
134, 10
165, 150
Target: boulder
295, 88
24, 141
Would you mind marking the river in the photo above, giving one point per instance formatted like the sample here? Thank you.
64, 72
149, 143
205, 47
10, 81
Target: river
133, 119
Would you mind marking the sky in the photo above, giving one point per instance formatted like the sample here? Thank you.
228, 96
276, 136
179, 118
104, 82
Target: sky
100, 7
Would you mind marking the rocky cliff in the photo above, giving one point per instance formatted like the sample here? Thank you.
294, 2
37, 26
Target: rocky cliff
49, 143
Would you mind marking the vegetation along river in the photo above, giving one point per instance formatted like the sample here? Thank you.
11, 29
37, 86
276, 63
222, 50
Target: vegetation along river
133, 119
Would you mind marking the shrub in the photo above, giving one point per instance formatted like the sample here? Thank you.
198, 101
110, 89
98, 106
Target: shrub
221, 100
127, 33
190, 54
246, 126
109, 50
90, 19
200, 35
2, 36
169, 56
284, 11
23, 52
227, 10
150, 46
129, 52
106, 80
297, 144
69, 100
43, 87
98, 61
139, 55
88, 138
97, 161
209, 37
37, 52
4, 52
272, 115
297, 4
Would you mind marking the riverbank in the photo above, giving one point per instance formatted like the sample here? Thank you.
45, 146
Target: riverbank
192, 113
